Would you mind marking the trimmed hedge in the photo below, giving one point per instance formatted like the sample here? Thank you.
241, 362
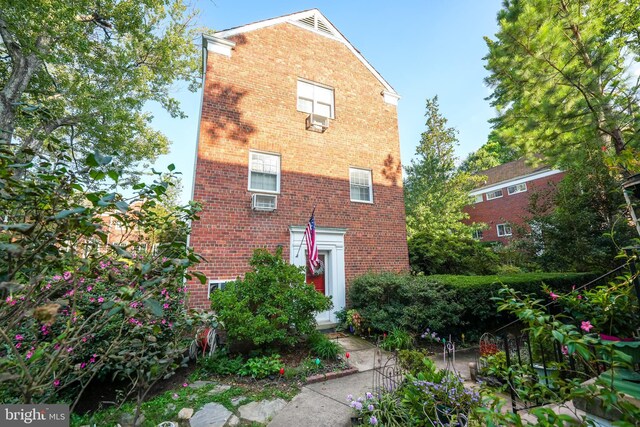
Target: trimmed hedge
445, 303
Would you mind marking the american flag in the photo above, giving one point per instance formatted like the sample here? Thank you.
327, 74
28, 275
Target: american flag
312, 249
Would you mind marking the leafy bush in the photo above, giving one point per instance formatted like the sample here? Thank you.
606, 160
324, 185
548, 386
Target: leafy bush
323, 347
415, 362
74, 307
397, 339
271, 305
450, 254
261, 367
447, 303
221, 364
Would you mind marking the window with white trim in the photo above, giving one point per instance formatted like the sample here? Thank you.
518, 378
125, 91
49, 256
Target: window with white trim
216, 285
264, 172
478, 198
360, 185
315, 99
518, 188
504, 230
477, 234
494, 194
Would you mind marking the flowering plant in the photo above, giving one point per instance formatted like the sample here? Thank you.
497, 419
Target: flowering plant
354, 319
610, 309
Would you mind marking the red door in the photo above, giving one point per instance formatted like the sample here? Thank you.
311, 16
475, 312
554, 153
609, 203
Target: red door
316, 281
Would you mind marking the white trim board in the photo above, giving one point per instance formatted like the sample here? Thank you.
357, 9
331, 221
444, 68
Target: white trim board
218, 42
518, 180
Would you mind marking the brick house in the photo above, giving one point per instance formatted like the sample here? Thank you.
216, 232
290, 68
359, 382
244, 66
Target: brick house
293, 117
503, 199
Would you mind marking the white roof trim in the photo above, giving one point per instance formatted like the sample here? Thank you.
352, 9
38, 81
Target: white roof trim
515, 181
292, 19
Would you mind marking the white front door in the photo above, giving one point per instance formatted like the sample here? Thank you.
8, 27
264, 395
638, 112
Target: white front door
330, 242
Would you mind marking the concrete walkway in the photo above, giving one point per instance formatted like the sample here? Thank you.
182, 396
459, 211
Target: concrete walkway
325, 404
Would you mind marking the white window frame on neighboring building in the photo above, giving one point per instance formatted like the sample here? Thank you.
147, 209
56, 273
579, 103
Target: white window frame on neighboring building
315, 98
215, 285
496, 194
477, 234
478, 198
367, 173
504, 233
518, 188
254, 168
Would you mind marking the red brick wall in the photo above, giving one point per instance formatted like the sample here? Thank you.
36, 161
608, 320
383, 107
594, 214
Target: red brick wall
511, 209
250, 104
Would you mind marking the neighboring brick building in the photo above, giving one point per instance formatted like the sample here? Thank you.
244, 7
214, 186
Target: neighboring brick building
293, 116
503, 200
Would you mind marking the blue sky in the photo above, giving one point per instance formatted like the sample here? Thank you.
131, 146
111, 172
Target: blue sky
422, 48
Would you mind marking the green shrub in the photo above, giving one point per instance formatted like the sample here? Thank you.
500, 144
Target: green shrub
261, 367
271, 305
416, 362
397, 339
446, 303
221, 364
323, 347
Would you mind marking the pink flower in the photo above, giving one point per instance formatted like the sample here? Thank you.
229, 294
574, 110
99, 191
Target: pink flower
29, 354
56, 383
92, 299
19, 337
69, 350
56, 346
19, 345
83, 365
70, 293
165, 305
89, 288
579, 296
163, 321
565, 350
47, 286
184, 384
100, 299
175, 395
84, 339
66, 275
586, 326
553, 296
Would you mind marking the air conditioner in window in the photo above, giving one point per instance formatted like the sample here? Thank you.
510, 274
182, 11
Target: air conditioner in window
317, 123
264, 202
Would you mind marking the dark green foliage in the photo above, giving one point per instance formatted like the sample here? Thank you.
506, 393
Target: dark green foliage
415, 362
323, 347
397, 339
221, 364
450, 254
261, 367
272, 305
586, 226
446, 303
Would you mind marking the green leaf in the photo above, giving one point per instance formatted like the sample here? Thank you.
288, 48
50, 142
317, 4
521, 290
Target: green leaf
122, 205
154, 306
171, 167
558, 336
65, 213
201, 277
22, 227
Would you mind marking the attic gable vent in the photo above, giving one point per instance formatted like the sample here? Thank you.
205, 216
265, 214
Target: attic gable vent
309, 21
317, 24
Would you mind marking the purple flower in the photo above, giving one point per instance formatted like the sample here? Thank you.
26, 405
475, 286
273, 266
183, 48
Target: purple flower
373, 420
358, 405
369, 395
370, 407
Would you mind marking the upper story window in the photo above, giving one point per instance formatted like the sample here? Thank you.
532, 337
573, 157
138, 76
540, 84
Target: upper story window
478, 198
518, 188
504, 230
477, 234
315, 99
264, 172
360, 184
494, 194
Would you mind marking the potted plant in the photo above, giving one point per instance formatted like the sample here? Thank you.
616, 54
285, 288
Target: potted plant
354, 320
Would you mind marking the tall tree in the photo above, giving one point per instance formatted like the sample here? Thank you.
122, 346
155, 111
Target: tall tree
435, 195
560, 70
493, 153
81, 71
